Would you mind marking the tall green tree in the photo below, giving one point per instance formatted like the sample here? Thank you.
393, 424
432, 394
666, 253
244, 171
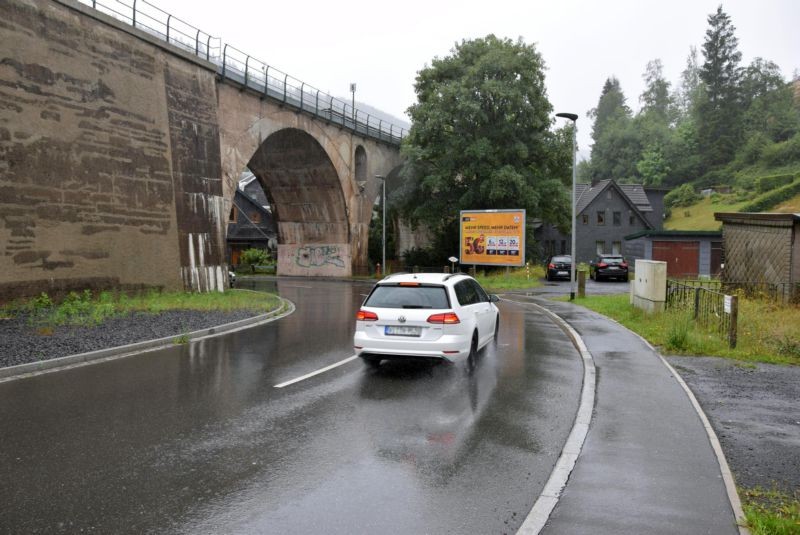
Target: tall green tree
480, 139
770, 108
615, 150
656, 99
690, 86
719, 112
611, 108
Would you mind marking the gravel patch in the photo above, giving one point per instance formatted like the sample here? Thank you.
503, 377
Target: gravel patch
754, 410
22, 342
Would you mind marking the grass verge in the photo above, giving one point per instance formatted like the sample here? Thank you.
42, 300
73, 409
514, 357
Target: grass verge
771, 512
514, 279
767, 332
89, 309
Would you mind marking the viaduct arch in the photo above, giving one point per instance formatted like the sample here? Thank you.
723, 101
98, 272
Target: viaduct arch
120, 154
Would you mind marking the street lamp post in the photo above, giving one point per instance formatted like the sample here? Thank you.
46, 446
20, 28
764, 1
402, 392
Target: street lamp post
353, 110
383, 227
574, 118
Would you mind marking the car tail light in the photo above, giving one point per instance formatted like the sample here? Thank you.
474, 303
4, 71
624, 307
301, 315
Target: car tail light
602, 265
624, 264
446, 318
366, 315
551, 266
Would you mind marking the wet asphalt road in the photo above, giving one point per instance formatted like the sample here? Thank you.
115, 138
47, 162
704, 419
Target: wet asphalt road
197, 439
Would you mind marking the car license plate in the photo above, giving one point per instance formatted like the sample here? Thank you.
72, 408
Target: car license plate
613, 267
563, 273
402, 330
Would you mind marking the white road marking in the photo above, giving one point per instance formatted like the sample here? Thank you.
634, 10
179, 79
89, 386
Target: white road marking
319, 371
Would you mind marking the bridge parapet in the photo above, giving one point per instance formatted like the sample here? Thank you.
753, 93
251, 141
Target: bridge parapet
238, 67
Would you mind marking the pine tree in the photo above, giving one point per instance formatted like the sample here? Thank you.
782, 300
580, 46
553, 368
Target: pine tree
719, 111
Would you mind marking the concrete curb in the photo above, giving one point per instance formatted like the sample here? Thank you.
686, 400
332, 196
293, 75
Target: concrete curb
547, 500
31, 369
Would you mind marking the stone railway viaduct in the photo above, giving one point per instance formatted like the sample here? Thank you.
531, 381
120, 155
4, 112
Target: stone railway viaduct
120, 154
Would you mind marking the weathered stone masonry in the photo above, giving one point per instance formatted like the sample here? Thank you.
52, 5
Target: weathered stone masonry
104, 137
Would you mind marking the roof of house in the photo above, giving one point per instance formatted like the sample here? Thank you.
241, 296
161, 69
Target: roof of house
633, 193
757, 216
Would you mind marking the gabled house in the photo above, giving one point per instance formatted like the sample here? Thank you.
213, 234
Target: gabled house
606, 212
250, 224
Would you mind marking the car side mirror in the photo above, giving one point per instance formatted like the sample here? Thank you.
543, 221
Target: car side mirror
493, 298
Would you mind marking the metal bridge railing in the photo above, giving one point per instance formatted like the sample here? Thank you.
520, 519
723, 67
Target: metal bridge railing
243, 69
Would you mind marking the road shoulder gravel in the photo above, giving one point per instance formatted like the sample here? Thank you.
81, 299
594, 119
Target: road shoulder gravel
24, 350
753, 410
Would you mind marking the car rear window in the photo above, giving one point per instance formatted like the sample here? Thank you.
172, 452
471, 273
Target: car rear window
561, 259
612, 259
395, 296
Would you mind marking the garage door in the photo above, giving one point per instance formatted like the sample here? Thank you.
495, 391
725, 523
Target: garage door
682, 257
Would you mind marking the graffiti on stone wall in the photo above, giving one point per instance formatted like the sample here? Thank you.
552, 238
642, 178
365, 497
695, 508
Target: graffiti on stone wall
318, 256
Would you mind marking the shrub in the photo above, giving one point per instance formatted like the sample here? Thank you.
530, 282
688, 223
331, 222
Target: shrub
784, 153
752, 150
681, 196
255, 257
418, 256
773, 198
767, 183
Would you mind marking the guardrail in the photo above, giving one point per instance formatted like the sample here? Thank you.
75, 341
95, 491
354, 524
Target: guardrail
247, 71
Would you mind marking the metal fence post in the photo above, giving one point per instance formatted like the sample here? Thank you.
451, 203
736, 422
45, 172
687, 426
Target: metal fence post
696, 302
302, 94
734, 321
168, 19
246, 70
224, 57
134, 14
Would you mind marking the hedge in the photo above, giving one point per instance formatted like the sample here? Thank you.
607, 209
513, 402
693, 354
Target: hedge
773, 198
767, 183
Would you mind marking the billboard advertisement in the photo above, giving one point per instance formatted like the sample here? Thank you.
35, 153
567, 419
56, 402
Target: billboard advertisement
492, 237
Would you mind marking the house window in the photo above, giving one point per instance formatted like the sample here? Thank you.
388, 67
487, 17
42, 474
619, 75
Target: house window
600, 247
585, 219
608, 195
256, 218
616, 247
601, 217
232, 216
563, 246
631, 219
617, 219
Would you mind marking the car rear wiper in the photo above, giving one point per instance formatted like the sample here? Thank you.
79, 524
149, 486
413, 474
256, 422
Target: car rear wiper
415, 306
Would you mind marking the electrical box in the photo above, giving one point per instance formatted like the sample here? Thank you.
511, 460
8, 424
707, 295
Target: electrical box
650, 285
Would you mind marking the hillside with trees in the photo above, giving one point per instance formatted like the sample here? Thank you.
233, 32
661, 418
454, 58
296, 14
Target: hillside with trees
721, 124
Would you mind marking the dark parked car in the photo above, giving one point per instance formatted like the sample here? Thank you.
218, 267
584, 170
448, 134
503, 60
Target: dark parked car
608, 266
558, 267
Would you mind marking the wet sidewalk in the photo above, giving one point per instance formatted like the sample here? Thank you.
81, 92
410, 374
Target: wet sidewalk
647, 465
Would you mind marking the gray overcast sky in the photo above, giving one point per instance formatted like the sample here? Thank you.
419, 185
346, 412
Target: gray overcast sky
382, 45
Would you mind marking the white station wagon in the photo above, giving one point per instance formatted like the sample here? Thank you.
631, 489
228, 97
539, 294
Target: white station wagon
433, 315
